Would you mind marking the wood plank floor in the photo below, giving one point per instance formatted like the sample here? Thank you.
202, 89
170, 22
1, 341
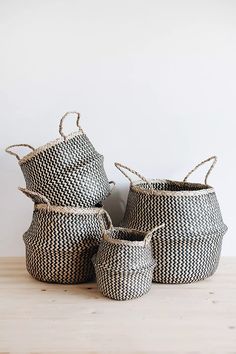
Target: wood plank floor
45, 318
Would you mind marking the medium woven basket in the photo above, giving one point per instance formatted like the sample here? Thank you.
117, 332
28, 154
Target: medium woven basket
124, 263
67, 171
188, 248
61, 241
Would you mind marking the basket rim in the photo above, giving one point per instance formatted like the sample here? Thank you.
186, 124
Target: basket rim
205, 188
69, 210
48, 145
107, 237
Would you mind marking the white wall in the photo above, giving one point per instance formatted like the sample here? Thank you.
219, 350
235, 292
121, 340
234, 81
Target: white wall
154, 82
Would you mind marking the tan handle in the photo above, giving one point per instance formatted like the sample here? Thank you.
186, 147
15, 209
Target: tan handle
121, 167
62, 121
214, 158
35, 196
112, 186
150, 233
110, 225
16, 145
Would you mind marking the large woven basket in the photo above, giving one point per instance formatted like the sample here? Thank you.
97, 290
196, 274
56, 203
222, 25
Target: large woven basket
67, 171
124, 263
188, 248
61, 241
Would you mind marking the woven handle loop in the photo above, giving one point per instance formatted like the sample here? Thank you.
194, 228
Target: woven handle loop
214, 158
151, 232
110, 225
62, 121
121, 167
35, 196
112, 186
16, 145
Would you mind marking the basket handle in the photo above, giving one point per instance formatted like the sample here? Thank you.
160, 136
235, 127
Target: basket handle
150, 233
112, 186
15, 145
121, 167
62, 121
104, 212
214, 158
35, 196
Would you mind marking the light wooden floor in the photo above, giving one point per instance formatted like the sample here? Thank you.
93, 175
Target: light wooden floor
44, 318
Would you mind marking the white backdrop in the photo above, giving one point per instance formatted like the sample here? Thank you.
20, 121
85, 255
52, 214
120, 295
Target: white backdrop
154, 82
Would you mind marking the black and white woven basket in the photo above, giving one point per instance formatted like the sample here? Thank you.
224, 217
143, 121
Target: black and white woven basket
188, 248
67, 171
124, 263
61, 241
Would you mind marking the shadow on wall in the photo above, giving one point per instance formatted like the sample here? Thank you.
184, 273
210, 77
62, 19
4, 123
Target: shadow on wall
115, 204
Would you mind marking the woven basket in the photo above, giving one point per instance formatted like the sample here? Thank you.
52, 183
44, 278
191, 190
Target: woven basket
188, 248
67, 171
61, 241
124, 263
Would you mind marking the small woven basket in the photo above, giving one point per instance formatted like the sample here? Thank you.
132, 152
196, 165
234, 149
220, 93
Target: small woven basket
188, 248
61, 241
67, 171
124, 263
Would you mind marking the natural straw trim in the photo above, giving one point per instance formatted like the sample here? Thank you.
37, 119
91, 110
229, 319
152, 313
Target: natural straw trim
108, 237
17, 145
70, 210
206, 189
45, 205
135, 185
147, 235
62, 120
200, 164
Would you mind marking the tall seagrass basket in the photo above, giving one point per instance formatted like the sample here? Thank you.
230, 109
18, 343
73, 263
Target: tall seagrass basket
67, 171
61, 241
188, 248
124, 263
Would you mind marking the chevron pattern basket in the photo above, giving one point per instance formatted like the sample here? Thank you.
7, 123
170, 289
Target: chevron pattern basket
67, 171
61, 241
188, 248
124, 264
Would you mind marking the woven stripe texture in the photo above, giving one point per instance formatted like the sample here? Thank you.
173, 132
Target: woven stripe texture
188, 248
68, 171
59, 246
67, 182
124, 270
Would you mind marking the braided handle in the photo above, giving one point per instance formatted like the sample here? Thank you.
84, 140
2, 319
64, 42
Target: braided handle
151, 232
110, 225
121, 167
35, 196
15, 145
112, 186
62, 121
214, 158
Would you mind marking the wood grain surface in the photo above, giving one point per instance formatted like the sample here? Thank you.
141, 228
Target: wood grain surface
45, 318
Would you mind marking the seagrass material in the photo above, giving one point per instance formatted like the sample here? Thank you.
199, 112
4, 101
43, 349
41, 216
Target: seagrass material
124, 263
67, 171
188, 248
61, 241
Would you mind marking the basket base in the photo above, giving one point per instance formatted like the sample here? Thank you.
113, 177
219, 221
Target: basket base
124, 285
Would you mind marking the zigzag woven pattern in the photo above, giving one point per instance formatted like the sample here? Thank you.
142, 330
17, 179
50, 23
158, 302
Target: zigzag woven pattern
124, 264
187, 259
60, 245
69, 173
188, 247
